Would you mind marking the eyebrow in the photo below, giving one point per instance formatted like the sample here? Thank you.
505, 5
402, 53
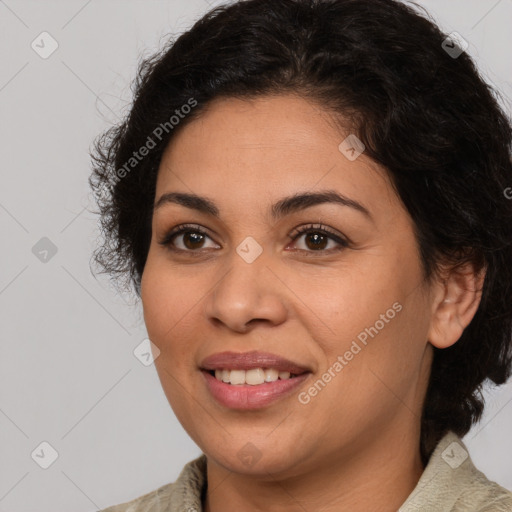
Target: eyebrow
281, 208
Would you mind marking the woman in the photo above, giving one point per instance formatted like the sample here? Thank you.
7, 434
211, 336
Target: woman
319, 231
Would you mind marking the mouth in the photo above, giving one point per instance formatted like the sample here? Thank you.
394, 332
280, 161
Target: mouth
252, 376
251, 380
255, 360
244, 396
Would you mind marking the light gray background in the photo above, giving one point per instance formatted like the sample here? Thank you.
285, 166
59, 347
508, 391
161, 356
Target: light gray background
68, 373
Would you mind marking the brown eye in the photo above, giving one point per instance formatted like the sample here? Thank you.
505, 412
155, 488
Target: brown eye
192, 240
186, 239
317, 239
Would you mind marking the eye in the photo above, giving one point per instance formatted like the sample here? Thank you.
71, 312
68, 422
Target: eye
191, 238
317, 237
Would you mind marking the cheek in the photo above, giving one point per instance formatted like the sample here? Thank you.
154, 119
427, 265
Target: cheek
167, 307
377, 319
158, 316
390, 344
155, 303
166, 300
345, 302
172, 301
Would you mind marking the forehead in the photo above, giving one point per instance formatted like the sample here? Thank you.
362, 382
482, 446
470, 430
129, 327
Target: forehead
251, 150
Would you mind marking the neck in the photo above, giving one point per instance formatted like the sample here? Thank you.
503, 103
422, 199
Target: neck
377, 475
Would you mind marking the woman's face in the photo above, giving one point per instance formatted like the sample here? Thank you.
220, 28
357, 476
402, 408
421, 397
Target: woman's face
349, 306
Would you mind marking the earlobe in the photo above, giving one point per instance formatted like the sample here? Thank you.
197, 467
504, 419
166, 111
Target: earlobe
456, 299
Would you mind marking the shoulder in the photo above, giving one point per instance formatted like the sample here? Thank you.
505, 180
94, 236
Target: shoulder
451, 483
182, 495
483, 494
146, 503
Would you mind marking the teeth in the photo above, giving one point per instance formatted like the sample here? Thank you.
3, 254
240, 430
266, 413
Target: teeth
252, 377
271, 375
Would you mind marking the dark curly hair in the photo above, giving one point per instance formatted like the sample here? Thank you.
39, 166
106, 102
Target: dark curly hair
423, 113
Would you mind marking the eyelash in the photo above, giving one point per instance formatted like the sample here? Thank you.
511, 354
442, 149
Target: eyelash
311, 228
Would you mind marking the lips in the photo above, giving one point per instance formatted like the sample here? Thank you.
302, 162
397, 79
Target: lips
250, 360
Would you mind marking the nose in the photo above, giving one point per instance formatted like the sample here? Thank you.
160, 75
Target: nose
247, 294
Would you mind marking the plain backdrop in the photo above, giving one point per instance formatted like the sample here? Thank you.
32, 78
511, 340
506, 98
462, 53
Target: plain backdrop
68, 373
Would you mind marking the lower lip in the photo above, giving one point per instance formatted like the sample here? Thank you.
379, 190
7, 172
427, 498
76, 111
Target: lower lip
251, 397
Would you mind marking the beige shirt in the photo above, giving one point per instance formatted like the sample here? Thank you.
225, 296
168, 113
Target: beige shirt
450, 483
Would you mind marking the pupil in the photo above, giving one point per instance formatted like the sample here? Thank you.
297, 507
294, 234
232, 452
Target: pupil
318, 238
196, 239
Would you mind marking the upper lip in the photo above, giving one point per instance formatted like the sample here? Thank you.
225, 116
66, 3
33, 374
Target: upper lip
249, 360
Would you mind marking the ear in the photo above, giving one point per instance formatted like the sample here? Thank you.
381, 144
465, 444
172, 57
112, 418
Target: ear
455, 300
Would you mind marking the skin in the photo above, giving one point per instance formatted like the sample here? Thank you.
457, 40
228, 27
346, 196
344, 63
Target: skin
355, 445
